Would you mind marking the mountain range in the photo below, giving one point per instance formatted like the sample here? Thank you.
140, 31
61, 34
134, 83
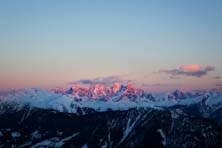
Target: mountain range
110, 116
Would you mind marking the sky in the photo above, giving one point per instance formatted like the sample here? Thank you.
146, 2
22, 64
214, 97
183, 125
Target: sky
159, 44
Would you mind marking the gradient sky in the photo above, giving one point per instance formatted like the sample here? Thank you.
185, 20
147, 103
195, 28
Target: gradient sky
44, 43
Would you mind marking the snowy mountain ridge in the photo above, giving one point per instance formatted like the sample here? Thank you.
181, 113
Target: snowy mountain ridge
101, 98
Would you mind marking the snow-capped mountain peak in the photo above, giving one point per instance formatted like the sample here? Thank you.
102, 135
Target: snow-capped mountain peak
116, 87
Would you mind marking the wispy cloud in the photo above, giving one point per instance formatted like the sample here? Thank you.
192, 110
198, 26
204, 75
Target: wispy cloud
160, 87
174, 77
110, 80
216, 77
219, 85
194, 70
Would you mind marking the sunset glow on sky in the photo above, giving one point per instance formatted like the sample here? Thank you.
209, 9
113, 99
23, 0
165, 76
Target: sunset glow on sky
159, 45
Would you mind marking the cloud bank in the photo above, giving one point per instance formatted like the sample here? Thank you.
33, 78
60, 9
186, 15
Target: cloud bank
110, 80
194, 70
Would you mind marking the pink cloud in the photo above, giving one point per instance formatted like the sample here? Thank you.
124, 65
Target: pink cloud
190, 68
194, 70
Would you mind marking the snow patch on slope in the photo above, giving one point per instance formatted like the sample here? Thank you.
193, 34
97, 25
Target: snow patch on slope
129, 128
163, 136
54, 142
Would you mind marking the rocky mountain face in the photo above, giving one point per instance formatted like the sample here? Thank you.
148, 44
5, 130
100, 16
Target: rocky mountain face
100, 91
138, 127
